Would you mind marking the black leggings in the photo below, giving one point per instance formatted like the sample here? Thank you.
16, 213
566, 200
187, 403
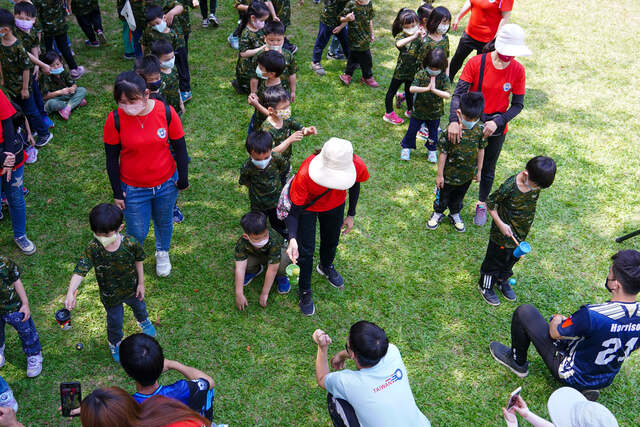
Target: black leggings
204, 10
362, 57
276, 223
61, 42
341, 412
90, 24
491, 154
393, 88
465, 46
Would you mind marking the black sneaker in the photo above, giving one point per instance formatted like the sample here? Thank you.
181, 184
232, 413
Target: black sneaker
306, 304
507, 290
486, 290
504, 356
591, 395
44, 140
332, 276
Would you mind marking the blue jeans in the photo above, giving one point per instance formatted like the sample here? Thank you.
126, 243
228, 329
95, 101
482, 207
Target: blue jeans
143, 204
324, 34
26, 332
15, 199
115, 317
137, 35
30, 109
334, 47
409, 140
37, 97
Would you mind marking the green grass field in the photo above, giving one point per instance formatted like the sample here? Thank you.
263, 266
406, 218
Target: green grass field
581, 108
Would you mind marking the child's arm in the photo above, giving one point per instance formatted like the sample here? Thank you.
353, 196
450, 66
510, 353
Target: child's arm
311, 130
442, 159
295, 137
34, 58
70, 300
272, 11
269, 277
241, 301
292, 85
55, 94
419, 89
502, 226
19, 287
140, 289
480, 161
253, 100
252, 52
465, 8
373, 38
24, 93
182, 109
405, 41
253, 85
177, 10
242, 7
189, 372
438, 92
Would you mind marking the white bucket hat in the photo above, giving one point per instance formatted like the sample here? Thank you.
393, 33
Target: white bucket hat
569, 408
333, 167
510, 41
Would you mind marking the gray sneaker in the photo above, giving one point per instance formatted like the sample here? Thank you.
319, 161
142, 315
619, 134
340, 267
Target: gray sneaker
44, 140
26, 246
34, 365
317, 68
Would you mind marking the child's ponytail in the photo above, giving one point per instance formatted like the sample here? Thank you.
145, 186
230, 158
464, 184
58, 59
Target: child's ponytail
257, 8
405, 16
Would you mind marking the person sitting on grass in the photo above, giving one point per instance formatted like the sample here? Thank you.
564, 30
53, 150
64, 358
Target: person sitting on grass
513, 208
378, 393
459, 164
143, 360
117, 260
586, 350
59, 90
255, 248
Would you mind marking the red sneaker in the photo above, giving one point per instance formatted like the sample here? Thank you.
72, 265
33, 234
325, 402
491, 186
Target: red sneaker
345, 79
369, 82
65, 112
83, 103
392, 118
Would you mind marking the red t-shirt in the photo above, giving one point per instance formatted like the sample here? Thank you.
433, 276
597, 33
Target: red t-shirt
497, 85
186, 423
6, 111
303, 190
145, 159
485, 18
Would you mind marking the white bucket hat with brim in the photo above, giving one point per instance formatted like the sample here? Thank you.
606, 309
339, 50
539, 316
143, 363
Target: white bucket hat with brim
510, 41
569, 408
333, 167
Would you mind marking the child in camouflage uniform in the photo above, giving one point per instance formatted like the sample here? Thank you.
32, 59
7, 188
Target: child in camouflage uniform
258, 246
274, 39
117, 260
261, 174
513, 208
170, 89
459, 163
59, 90
359, 15
430, 88
281, 12
157, 29
14, 310
271, 64
251, 43
88, 16
241, 6
329, 20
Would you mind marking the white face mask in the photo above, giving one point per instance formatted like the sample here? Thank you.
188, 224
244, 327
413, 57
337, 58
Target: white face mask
168, 64
277, 48
261, 163
284, 114
133, 109
442, 28
106, 241
410, 31
160, 27
260, 244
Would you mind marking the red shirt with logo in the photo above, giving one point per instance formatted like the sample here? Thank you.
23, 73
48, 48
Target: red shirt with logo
303, 190
485, 18
6, 111
145, 159
497, 85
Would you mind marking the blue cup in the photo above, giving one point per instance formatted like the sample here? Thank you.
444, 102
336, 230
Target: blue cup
522, 249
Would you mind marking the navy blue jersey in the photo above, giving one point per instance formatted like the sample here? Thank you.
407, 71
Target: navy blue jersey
193, 393
601, 337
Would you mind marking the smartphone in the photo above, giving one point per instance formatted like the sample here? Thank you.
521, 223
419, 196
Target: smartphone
513, 398
70, 397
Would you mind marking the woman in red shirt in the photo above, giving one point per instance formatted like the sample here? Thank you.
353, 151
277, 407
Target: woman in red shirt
498, 76
142, 171
487, 16
318, 192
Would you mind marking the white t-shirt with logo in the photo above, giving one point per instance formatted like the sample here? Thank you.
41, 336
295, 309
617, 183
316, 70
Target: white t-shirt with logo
381, 395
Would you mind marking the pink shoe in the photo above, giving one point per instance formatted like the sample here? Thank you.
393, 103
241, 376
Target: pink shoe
65, 112
83, 103
399, 99
370, 82
78, 72
392, 118
407, 114
346, 79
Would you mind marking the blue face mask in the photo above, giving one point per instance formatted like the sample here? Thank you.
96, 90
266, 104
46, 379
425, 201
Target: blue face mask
468, 124
433, 72
261, 163
259, 73
2, 34
56, 71
160, 27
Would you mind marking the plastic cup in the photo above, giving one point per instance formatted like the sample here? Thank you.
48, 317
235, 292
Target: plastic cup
293, 273
63, 317
522, 249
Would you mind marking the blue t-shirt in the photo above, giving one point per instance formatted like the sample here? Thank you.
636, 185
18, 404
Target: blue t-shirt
193, 393
602, 337
380, 395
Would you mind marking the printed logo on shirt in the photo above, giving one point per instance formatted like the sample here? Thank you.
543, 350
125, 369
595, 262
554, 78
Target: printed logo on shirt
492, 1
506, 87
162, 133
397, 376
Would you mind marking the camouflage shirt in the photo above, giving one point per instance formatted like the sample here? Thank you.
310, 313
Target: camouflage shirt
283, 11
83, 7
289, 126
246, 67
291, 68
515, 208
330, 12
14, 61
170, 89
51, 83
427, 105
185, 17
9, 273
115, 271
360, 29
429, 44
259, 118
407, 64
149, 35
271, 250
52, 15
138, 7
29, 40
462, 158
264, 185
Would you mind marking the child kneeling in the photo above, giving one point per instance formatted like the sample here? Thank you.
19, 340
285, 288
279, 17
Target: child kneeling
259, 246
117, 260
59, 90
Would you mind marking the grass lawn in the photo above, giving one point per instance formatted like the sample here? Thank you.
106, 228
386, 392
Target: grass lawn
581, 108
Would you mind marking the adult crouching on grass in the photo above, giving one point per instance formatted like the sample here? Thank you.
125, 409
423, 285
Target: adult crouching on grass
143, 174
498, 76
318, 193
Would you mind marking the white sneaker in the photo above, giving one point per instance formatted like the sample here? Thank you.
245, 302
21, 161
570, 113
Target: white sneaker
432, 156
163, 263
405, 154
205, 23
2, 359
34, 365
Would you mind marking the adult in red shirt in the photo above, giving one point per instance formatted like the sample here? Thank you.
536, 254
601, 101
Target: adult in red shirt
318, 192
141, 168
487, 16
12, 159
502, 77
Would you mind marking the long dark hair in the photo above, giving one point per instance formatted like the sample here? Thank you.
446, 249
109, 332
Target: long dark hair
257, 9
424, 12
161, 411
438, 14
106, 407
129, 84
405, 16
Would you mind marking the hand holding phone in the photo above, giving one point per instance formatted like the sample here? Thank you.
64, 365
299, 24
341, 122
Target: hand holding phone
513, 398
70, 398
